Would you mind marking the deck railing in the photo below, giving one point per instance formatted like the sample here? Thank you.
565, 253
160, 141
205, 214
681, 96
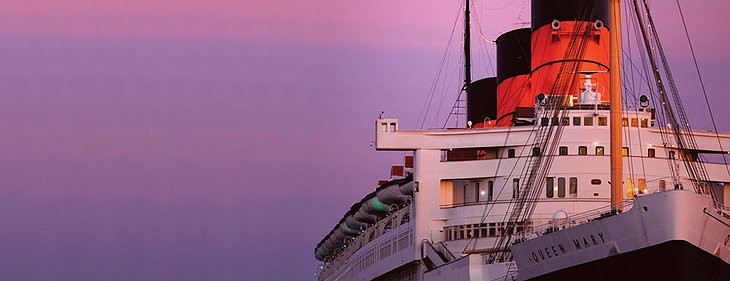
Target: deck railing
570, 221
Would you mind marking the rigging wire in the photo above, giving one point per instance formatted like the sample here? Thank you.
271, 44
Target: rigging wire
423, 115
702, 84
539, 165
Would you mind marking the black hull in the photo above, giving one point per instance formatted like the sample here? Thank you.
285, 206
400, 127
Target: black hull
673, 260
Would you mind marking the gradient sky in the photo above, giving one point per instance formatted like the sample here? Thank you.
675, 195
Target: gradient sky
222, 139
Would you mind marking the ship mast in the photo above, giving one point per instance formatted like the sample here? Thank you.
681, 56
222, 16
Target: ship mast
467, 48
615, 115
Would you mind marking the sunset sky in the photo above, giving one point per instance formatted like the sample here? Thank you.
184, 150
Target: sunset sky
222, 139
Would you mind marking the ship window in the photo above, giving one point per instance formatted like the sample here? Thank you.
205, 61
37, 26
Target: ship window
596, 181
662, 185
384, 127
642, 185
634, 122
630, 188
544, 121
672, 154
602, 121
385, 250
511, 153
515, 188
490, 190
625, 122
652, 153
535, 151
550, 187
573, 187
599, 150
576, 121
644, 122
561, 187
564, 121
554, 121
587, 121
582, 150
563, 150
478, 191
625, 151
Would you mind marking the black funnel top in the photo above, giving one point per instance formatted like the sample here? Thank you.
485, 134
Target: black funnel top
545, 11
513, 54
481, 100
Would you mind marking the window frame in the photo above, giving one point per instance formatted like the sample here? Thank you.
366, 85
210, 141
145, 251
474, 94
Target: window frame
573, 186
582, 150
550, 187
561, 187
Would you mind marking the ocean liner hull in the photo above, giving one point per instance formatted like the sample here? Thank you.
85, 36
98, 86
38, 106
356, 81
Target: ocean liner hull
671, 260
674, 235
523, 192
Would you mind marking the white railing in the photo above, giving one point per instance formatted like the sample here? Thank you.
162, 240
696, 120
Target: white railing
570, 221
387, 224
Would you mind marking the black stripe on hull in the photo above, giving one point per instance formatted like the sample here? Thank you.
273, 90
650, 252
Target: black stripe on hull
673, 260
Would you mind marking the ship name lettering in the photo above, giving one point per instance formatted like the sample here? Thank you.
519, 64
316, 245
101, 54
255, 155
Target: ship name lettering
548, 252
586, 244
558, 249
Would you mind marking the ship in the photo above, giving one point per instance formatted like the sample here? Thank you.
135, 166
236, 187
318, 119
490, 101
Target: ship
560, 172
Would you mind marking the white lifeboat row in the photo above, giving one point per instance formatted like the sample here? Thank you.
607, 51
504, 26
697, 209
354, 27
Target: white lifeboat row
387, 198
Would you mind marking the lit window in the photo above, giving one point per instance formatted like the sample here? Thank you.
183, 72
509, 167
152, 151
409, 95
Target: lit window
563, 150
662, 185
625, 122
510, 153
624, 151
550, 187
576, 121
652, 153
631, 189
599, 150
582, 150
642, 186
516, 188
561, 187
634, 122
573, 187
644, 122
602, 121
587, 121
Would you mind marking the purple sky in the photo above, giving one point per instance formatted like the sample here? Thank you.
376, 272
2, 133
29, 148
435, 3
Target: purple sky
222, 139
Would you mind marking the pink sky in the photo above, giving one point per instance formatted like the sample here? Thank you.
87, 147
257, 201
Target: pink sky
220, 139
